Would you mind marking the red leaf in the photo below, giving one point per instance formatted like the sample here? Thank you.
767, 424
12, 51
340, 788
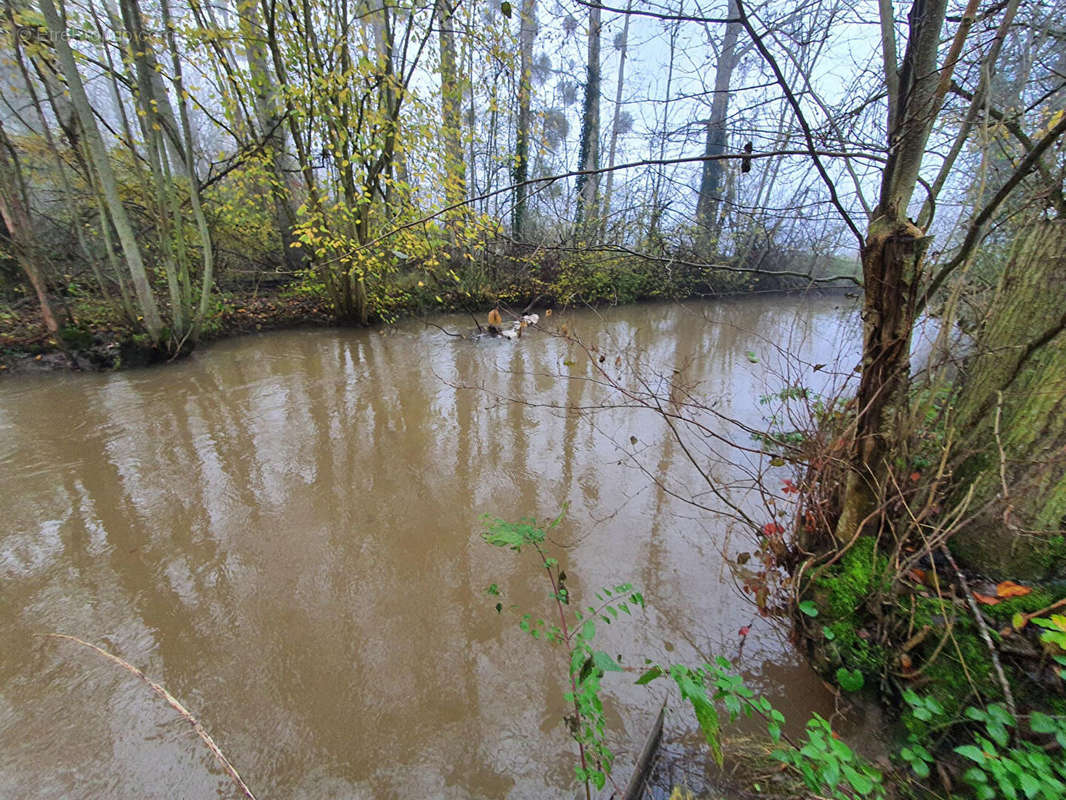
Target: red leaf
986, 600
745, 630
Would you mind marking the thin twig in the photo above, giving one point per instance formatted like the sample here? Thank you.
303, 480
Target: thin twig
1041, 612
1008, 697
1002, 461
442, 330
174, 703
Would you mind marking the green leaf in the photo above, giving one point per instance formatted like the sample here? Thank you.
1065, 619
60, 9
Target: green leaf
650, 675
505, 9
512, 535
809, 608
850, 680
859, 782
831, 774
754, 359
693, 690
1042, 723
998, 732
558, 519
586, 670
604, 662
1018, 621
971, 752
1030, 785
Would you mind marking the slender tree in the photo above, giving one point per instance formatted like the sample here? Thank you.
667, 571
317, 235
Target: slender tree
589, 155
526, 34
612, 150
451, 96
101, 164
711, 179
893, 252
14, 209
270, 128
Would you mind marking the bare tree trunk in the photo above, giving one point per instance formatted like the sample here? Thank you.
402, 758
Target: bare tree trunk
527, 32
451, 109
153, 125
61, 167
711, 180
98, 153
657, 209
150, 78
589, 157
892, 261
15, 212
613, 148
265, 94
471, 115
206, 246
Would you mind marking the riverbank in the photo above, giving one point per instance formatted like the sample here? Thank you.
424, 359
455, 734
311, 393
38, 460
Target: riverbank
100, 338
104, 339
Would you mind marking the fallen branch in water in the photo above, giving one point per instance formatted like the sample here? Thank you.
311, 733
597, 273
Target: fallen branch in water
442, 330
174, 703
635, 787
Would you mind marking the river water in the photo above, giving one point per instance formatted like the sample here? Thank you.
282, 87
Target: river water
283, 530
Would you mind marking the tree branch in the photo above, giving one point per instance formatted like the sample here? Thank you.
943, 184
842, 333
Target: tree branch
977, 227
649, 162
807, 135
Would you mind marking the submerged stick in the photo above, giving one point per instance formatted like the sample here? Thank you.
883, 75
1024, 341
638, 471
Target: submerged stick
635, 787
174, 703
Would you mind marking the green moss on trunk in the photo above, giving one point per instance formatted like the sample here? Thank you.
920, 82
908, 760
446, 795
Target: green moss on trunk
1019, 376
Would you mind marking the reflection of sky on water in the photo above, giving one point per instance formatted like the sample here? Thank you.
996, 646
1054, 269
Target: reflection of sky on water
284, 531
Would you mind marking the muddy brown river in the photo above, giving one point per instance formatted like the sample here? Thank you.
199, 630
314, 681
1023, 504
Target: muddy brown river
283, 530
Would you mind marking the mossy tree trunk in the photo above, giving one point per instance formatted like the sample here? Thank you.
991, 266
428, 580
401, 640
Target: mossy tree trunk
1011, 416
891, 265
588, 183
892, 254
526, 35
